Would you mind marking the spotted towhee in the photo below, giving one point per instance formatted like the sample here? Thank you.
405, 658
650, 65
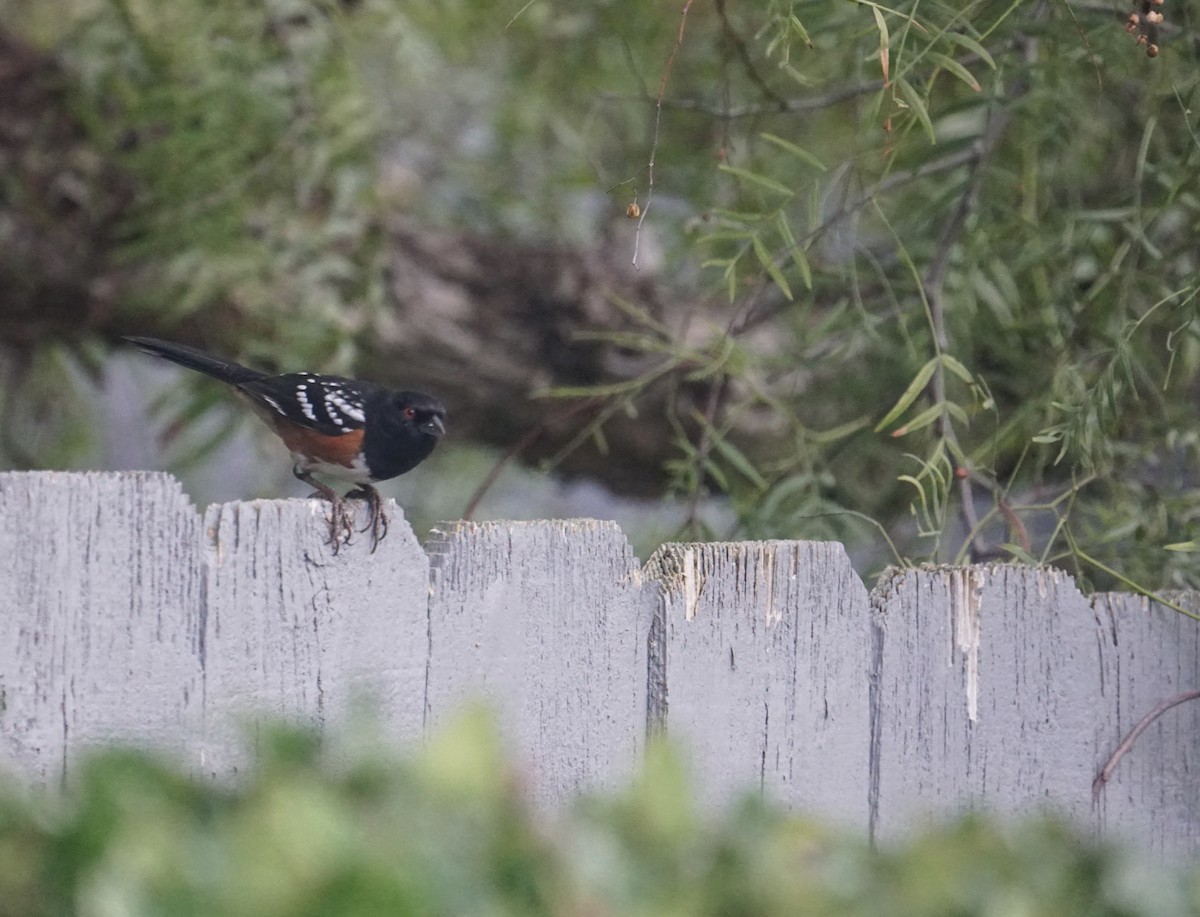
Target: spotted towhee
340, 428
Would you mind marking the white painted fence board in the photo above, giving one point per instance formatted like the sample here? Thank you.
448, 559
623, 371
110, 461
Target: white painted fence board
99, 633
1150, 653
547, 623
296, 632
126, 616
766, 664
999, 688
988, 693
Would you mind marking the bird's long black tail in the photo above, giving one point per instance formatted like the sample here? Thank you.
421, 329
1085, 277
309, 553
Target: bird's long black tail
225, 370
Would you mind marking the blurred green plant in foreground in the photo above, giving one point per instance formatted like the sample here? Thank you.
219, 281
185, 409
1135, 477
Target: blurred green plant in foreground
344, 828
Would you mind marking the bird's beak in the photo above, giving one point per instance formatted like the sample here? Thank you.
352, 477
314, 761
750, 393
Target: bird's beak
434, 426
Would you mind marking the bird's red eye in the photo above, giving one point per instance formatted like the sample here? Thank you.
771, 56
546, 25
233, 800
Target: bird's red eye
410, 413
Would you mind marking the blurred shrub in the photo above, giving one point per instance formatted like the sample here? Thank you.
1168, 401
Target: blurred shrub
333, 829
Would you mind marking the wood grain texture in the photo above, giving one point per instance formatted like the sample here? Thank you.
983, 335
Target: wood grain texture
1149, 653
987, 694
1004, 688
296, 632
763, 655
546, 622
125, 615
99, 632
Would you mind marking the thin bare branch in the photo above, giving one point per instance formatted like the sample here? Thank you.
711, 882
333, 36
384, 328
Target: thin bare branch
743, 53
514, 451
662, 88
1143, 724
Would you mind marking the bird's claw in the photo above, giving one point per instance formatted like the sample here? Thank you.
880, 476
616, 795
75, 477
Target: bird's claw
341, 525
377, 522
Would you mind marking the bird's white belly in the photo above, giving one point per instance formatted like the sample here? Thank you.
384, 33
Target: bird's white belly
356, 473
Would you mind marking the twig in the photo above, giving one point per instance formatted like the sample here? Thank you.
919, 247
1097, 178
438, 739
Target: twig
933, 284
1160, 708
934, 279
736, 112
749, 315
662, 88
778, 104
743, 52
716, 397
520, 446
1086, 558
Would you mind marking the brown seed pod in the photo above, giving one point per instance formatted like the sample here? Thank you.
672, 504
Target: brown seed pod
633, 211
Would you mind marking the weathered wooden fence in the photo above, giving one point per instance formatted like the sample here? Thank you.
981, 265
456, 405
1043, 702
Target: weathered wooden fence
126, 615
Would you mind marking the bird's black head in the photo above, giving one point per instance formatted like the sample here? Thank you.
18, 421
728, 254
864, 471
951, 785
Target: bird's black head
424, 412
402, 429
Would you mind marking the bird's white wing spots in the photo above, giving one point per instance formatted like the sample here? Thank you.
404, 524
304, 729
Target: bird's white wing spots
305, 405
338, 399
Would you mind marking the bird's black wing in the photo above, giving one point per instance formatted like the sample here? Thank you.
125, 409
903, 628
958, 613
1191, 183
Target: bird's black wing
330, 405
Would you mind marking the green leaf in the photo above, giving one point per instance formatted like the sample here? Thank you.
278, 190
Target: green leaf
917, 104
957, 368
881, 24
966, 41
726, 235
1019, 554
950, 65
798, 28
922, 420
799, 152
1185, 546
738, 460
841, 431
768, 263
956, 412
911, 394
761, 180
717, 473
798, 256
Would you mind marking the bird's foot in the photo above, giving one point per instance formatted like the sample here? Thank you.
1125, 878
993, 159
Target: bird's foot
341, 523
340, 519
377, 524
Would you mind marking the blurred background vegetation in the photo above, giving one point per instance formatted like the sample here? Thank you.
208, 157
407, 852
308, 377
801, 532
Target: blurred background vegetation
341, 828
920, 277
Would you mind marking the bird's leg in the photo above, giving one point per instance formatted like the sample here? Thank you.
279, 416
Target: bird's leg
341, 526
378, 523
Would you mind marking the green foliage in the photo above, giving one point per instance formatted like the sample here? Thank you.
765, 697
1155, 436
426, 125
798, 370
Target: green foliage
947, 209
957, 241
346, 829
250, 142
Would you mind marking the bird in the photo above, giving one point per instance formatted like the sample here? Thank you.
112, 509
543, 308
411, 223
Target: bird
340, 428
